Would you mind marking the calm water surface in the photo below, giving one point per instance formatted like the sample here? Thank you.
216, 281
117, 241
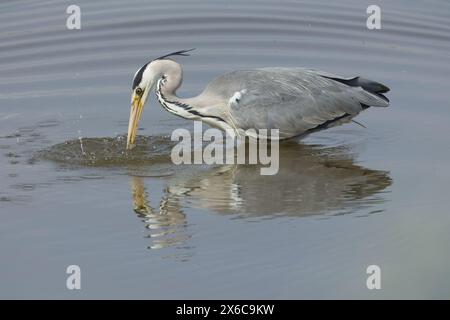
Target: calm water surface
140, 227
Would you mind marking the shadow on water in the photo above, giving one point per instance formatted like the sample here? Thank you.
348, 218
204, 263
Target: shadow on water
312, 180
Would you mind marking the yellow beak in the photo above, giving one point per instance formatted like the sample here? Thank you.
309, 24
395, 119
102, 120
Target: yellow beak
135, 115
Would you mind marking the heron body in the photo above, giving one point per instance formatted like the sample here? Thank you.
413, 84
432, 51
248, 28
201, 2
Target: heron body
296, 101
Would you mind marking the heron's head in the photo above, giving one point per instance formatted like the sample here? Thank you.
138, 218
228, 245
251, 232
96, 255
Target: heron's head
143, 82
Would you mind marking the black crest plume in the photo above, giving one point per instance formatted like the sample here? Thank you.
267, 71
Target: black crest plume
177, 53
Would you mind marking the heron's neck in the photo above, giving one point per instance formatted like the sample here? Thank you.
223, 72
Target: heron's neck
170, 81
169, 100
171, 78
198, 107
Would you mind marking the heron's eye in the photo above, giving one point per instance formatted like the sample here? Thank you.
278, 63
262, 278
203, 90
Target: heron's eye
139, 91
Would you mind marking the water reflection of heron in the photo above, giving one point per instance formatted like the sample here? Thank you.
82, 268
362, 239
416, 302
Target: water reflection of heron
311, 181
166, 223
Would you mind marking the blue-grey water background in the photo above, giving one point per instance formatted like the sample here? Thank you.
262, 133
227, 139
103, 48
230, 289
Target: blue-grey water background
344, 199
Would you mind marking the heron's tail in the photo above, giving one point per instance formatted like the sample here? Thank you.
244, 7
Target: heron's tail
372, 87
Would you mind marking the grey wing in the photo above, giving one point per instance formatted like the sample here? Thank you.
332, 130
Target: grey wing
294, 101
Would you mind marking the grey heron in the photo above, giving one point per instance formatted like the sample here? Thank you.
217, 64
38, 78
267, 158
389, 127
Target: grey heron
296, 101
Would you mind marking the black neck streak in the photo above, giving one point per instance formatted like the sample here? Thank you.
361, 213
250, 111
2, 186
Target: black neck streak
168, 104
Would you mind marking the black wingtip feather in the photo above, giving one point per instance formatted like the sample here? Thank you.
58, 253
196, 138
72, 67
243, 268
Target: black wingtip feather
366, 84
371, 86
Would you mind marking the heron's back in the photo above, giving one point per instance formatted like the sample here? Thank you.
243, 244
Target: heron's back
293, 100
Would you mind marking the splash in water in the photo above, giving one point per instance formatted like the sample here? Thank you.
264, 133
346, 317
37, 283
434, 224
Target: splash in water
109, 151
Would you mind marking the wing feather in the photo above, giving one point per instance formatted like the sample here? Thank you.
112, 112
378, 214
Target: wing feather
291, 100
